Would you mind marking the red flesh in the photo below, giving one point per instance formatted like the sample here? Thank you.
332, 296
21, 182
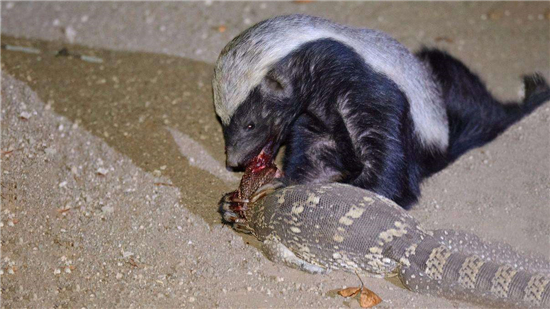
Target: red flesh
259, 167
259, 162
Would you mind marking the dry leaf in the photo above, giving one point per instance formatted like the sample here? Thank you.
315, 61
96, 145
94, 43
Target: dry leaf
349, 292
222, 29
368, 298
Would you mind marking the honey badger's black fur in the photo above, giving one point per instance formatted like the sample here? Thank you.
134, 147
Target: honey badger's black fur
475, 117
343, 121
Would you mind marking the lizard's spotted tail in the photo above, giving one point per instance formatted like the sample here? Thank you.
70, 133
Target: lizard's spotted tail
435, 269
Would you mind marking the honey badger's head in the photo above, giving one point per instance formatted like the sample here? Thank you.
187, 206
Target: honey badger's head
253, 90
261, 121
255, 84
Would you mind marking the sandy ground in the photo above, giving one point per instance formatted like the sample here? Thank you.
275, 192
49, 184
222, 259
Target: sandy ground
111, 171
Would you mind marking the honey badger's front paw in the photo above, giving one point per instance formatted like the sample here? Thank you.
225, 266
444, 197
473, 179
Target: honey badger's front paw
230, 217
230, 209
233, 213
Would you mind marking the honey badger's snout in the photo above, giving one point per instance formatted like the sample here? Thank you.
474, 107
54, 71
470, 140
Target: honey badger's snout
238, 158
259, 155
234, 159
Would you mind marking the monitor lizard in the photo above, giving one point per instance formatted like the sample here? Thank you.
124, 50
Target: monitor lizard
320, 227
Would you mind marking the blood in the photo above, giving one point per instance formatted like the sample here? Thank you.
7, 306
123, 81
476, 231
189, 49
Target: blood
259, 162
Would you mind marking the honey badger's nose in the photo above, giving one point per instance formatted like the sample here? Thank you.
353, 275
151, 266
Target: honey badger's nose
233, 159
231, 163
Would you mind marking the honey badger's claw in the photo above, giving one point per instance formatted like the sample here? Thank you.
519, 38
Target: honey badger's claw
230, 216
229, 196
239, 200
271, 186
279, 174
266, 189
231, 209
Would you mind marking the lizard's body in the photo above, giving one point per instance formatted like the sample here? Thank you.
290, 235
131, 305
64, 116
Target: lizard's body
336, 226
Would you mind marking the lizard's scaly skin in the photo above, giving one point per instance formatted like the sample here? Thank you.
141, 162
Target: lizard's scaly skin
337, 226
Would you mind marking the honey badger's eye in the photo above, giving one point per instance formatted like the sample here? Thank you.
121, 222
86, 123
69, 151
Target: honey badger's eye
250, 126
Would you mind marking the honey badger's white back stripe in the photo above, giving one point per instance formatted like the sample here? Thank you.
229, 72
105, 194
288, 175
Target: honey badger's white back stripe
245, 61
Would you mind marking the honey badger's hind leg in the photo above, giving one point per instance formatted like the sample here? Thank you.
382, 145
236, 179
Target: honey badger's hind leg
475, 116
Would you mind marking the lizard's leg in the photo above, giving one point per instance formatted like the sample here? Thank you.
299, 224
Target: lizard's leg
277, 252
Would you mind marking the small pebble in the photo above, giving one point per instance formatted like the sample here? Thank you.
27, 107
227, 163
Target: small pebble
107, 209
70, 34
25, 115
50, 151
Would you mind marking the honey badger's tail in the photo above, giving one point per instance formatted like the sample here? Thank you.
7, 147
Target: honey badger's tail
475, 116
537, 92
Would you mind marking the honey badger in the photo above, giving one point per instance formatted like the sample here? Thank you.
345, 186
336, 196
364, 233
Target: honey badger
353, 105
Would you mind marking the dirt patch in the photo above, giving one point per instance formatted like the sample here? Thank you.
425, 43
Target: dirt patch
129, 100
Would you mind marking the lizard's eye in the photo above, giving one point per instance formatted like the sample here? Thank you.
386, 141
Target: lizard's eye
250, 126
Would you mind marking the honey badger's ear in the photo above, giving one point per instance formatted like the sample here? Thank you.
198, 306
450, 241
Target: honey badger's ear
276, 84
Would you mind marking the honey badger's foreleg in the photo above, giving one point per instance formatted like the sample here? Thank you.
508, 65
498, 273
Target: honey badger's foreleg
381, 132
